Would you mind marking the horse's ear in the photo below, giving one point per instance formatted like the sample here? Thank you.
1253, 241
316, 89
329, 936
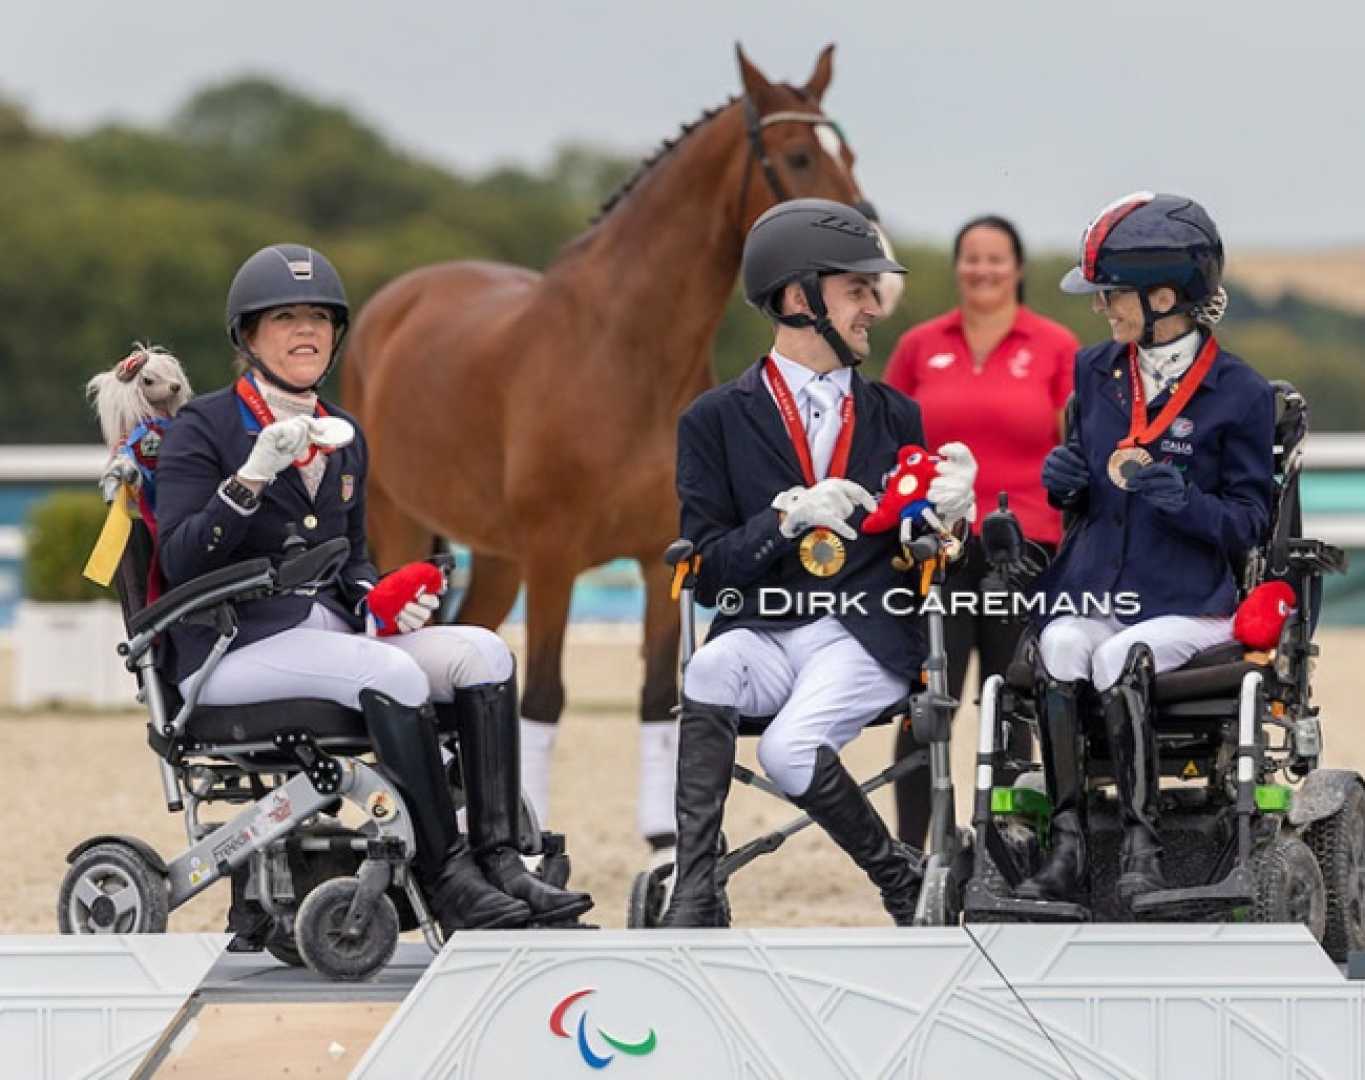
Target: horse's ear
818, 82
756, 85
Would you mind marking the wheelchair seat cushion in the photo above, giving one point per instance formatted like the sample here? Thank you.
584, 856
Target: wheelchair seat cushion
753, 726
1206, 678
259, 722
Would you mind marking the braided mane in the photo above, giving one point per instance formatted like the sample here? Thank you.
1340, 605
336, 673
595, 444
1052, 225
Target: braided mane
659, 153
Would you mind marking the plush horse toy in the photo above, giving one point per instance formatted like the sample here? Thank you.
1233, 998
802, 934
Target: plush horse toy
906, 492
135, 402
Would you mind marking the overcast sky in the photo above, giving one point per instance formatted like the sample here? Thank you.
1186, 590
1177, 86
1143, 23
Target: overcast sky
1041, 110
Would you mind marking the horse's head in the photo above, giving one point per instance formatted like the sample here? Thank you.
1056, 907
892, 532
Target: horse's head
793, 150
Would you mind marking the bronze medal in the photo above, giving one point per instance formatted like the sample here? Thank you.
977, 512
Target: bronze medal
1124, 464
822, 553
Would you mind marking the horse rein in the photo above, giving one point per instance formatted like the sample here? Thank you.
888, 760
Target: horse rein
754, 125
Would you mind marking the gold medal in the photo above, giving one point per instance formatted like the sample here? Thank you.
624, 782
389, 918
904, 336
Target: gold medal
1124, 464
822, 553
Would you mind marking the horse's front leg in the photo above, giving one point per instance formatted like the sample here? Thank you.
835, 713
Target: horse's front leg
549, 587
655, 814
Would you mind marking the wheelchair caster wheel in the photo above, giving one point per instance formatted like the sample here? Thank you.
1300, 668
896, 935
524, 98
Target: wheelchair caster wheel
318, 932
1289, 885
113, 889
285, 951
648, 897
938, 903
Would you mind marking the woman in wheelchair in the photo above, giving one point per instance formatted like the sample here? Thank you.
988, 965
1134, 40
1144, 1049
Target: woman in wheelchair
773, 471
1167, 470
265, 460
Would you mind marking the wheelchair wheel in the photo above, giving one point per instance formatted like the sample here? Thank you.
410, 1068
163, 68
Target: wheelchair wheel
285, 950
113, 889
1289, 886
318, 931
648, 893
941, 902
1338, 843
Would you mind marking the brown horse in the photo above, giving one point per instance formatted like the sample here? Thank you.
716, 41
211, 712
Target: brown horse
533, 416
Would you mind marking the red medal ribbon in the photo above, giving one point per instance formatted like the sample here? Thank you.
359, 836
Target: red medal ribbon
251, 398
796, 431
1139, 430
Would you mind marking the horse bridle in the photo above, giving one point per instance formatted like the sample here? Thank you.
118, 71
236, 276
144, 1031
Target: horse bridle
754, 125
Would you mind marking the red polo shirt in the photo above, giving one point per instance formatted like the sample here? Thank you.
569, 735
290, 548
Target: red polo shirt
1005, 409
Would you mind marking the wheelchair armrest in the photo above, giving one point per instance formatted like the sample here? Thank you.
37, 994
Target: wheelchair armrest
316, 566
238, 581
1317, 555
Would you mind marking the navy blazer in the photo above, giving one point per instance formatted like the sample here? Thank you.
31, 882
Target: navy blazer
734, 456
1177, 564
199, 530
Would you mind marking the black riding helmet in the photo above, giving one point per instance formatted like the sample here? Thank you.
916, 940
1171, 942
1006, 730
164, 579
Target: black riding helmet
284, 274
800, 241
1143, 241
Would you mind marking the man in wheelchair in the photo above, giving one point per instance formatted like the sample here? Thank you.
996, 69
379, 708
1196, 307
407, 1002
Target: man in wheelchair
1167, 469
262, 464
774, 473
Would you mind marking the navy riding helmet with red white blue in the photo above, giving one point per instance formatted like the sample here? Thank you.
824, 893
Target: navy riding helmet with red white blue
1143, 241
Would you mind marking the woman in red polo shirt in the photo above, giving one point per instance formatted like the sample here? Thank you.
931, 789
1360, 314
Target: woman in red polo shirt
996, 376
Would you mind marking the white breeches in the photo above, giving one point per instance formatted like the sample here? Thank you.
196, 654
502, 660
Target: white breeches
817, 682
323, 658
1095, 647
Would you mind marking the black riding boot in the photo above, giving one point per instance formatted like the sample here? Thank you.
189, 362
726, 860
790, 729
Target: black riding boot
405, 743
1064, 874
1137, 772
489, 729
837, 804
706, 755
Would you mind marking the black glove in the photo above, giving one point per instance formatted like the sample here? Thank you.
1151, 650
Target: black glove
1065, 472
1162, 486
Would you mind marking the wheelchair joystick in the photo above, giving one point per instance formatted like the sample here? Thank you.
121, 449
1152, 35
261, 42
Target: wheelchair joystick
294, 544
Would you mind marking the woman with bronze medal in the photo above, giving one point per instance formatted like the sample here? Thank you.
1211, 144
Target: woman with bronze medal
247, 467
1167, 471
775, 472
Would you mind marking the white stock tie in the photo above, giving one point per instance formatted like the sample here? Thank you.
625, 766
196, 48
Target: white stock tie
824, 423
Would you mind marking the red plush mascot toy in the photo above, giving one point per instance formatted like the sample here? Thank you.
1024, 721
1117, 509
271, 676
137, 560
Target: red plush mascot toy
1261, 616
906, 490
404, 600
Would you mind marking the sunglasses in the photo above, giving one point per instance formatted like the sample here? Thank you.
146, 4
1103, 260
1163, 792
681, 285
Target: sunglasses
1106, 295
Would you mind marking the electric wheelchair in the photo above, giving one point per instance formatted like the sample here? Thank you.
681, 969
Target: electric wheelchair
316, 892
1256, 831
928, 711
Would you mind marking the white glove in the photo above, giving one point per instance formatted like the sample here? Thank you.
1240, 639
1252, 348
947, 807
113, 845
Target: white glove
952, 490
277, 446
118, 472
827, 505
417, 613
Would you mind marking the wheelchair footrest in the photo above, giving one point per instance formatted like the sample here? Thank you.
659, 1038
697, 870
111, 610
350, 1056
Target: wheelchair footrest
981, 905
1201, 903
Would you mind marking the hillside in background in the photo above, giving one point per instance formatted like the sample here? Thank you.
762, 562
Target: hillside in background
1334, 276
121, 234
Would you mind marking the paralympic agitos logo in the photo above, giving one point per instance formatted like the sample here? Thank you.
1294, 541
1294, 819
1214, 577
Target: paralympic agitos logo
591, 1057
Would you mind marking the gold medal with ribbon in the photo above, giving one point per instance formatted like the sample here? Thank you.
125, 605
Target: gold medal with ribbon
1129, 458
823, 552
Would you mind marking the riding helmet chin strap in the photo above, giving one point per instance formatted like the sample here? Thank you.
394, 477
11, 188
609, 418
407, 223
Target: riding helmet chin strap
1150, 318
810, 287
